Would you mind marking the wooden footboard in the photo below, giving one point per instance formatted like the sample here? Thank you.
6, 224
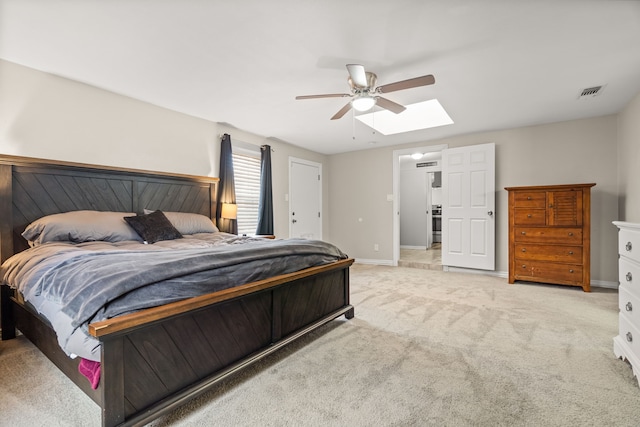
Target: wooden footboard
178, 351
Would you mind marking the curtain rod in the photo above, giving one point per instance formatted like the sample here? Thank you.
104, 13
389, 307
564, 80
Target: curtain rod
223, 134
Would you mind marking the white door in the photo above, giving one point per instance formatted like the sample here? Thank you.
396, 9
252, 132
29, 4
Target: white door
305, 199
468, 206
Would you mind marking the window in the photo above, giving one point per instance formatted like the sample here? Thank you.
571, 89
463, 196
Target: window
246, 174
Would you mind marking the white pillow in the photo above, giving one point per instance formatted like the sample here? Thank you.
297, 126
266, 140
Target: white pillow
81, 226
189, 223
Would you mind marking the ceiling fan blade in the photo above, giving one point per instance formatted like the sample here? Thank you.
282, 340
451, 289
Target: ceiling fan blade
342, 112
358, 75
328, 95
407, 84
390, 105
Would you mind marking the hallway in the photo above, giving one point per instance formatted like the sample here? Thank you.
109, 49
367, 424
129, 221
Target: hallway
429, 259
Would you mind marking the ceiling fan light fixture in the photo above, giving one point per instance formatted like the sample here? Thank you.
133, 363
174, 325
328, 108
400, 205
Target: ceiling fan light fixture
365, 94
363, 103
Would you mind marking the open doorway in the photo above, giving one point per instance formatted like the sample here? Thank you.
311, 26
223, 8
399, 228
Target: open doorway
417, 210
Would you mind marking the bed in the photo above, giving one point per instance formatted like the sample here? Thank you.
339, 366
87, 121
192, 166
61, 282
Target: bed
154, 359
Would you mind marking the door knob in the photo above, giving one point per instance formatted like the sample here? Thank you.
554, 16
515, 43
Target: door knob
294, 221
490, 213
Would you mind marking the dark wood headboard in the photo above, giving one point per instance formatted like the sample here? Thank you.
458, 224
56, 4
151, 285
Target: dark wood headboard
32, 188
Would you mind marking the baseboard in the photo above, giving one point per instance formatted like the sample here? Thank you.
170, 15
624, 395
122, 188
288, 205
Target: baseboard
375, 261
604, 284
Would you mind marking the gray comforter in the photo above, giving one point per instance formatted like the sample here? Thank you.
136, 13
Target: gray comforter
90, 282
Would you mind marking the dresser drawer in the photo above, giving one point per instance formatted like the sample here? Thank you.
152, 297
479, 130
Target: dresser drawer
529, 216
629, 334
561, 235
629, 274
553, 253
629, 244
539, 271
530, 199
629, 305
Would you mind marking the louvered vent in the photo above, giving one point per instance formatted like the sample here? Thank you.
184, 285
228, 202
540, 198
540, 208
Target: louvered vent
590, 92
426, 164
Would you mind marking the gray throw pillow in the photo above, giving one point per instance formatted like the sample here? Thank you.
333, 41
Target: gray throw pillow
153, 227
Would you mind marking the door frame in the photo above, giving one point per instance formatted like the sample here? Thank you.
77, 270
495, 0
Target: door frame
320, 187
396, 191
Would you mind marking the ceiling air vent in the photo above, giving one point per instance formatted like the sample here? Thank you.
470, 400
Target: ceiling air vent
426, 164
590, 92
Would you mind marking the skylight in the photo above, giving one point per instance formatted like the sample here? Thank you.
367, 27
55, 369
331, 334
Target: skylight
423, 115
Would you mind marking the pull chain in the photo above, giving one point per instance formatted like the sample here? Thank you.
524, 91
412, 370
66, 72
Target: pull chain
353, 124
373, 126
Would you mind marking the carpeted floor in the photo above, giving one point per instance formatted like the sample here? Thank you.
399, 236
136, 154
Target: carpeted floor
426, 348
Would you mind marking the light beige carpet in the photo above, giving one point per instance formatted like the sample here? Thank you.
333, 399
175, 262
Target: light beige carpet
426, 348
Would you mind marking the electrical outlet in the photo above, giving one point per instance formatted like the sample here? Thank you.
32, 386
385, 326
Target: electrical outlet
376, 247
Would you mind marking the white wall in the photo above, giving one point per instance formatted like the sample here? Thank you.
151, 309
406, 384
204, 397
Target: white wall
629, 161
49, 117
578, 151
359, 183
55, 118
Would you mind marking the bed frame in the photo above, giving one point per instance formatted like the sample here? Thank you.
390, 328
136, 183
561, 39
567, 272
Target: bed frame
154, 360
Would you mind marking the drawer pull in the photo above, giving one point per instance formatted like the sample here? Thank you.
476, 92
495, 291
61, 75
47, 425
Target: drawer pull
523, 233
629, 277
629, 337
570, 252
528, 215
528, 197
570, 234
628, 306
524, 266
524, 250
628, 246
570, 270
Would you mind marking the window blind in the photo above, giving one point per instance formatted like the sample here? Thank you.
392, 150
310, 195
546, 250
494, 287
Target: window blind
246, 170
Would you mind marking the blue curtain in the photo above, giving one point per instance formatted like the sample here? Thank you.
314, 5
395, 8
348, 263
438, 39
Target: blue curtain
226, 186
265, 205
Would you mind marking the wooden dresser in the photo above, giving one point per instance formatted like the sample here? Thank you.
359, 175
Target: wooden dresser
549, 234
627, 344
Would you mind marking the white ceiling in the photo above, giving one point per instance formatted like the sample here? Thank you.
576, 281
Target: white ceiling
497, 64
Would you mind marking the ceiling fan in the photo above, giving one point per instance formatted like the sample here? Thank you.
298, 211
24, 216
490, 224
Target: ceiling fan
364, 95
